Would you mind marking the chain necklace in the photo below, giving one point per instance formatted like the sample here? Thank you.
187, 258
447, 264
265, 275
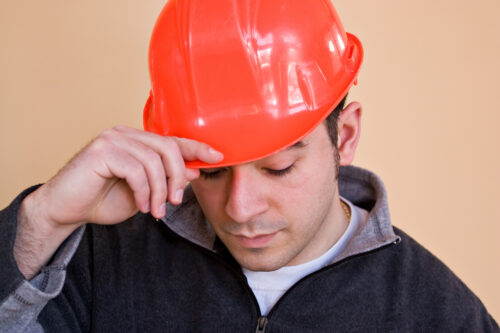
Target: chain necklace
347, 209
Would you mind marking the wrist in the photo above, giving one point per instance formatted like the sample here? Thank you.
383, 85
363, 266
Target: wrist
34, 214
37, 236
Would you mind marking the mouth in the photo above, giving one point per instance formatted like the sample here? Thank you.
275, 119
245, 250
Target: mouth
257, 241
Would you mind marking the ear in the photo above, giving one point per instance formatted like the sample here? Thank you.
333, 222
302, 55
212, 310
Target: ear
348, 128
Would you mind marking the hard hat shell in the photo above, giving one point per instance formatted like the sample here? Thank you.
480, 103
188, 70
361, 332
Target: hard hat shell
247, 77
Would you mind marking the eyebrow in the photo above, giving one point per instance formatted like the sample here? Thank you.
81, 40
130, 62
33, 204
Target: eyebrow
298, 144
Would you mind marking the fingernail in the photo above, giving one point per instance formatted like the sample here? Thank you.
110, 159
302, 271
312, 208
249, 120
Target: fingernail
162, 209
148, 207
215, 153
178, 195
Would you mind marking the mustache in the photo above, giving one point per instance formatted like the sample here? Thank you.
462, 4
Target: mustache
253, 227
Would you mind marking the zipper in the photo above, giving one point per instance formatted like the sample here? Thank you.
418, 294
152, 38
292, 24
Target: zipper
261, 324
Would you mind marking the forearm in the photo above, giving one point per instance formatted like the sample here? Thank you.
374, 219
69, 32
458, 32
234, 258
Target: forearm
21, 301
37, 239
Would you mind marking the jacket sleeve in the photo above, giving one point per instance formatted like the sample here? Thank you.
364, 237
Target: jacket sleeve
20, 300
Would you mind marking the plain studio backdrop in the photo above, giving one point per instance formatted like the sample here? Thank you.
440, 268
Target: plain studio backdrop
429, 86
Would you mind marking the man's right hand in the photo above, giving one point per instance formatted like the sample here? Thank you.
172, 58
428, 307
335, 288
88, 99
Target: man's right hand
120, 172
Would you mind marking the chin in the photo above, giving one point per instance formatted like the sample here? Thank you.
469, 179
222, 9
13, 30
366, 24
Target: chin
259, 261
261, 268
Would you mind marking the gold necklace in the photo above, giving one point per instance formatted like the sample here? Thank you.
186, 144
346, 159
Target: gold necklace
347, 209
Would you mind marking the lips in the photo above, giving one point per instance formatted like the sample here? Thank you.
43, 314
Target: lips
256, 241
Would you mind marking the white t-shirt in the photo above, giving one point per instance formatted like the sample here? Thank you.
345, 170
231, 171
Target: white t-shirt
268, 287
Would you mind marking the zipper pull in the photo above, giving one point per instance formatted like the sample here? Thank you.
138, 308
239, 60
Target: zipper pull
261, 324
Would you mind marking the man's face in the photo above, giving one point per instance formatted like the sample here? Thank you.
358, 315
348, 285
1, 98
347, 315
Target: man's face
277, 211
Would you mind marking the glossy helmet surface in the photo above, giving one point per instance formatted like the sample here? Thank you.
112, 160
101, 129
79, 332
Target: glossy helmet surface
247, 77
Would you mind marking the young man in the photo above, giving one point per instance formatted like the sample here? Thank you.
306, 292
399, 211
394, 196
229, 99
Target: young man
270, 235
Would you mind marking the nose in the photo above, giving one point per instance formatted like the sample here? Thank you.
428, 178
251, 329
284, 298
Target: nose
246, 196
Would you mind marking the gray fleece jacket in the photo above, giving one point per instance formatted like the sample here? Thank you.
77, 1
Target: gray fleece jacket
144, 275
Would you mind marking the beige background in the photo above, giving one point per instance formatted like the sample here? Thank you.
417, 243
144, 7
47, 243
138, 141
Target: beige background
429, 86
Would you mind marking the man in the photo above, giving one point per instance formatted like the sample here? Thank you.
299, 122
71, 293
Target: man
270, 235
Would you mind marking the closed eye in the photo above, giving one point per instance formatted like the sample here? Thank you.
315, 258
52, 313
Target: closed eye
216, 173
280, 172
212, 173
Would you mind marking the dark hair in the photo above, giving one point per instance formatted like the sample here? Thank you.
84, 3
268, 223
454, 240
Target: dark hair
331, 127
331, 122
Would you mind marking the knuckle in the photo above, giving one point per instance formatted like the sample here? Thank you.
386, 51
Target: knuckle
152, 157
156, 170
119, 128
175, 167
135, 174
169, 143
100, 145
170, 150
106, 136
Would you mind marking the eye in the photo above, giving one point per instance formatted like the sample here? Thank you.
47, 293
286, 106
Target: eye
212, 173
281, 172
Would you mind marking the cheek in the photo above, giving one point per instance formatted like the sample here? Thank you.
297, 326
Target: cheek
210, 196
309, 181
309, 192
293, 199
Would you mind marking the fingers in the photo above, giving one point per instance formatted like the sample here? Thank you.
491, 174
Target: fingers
175, 170
162, 160
192, 174
189, 149
192, 150
125, 166
152, 169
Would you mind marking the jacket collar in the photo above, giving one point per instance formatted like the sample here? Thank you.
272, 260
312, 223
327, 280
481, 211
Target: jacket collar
362, 187
366, 190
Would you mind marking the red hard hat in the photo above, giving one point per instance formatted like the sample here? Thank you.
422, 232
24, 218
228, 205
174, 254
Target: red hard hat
247, 77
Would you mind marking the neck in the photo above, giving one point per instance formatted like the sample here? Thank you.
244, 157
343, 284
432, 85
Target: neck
336, 225
333, 227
